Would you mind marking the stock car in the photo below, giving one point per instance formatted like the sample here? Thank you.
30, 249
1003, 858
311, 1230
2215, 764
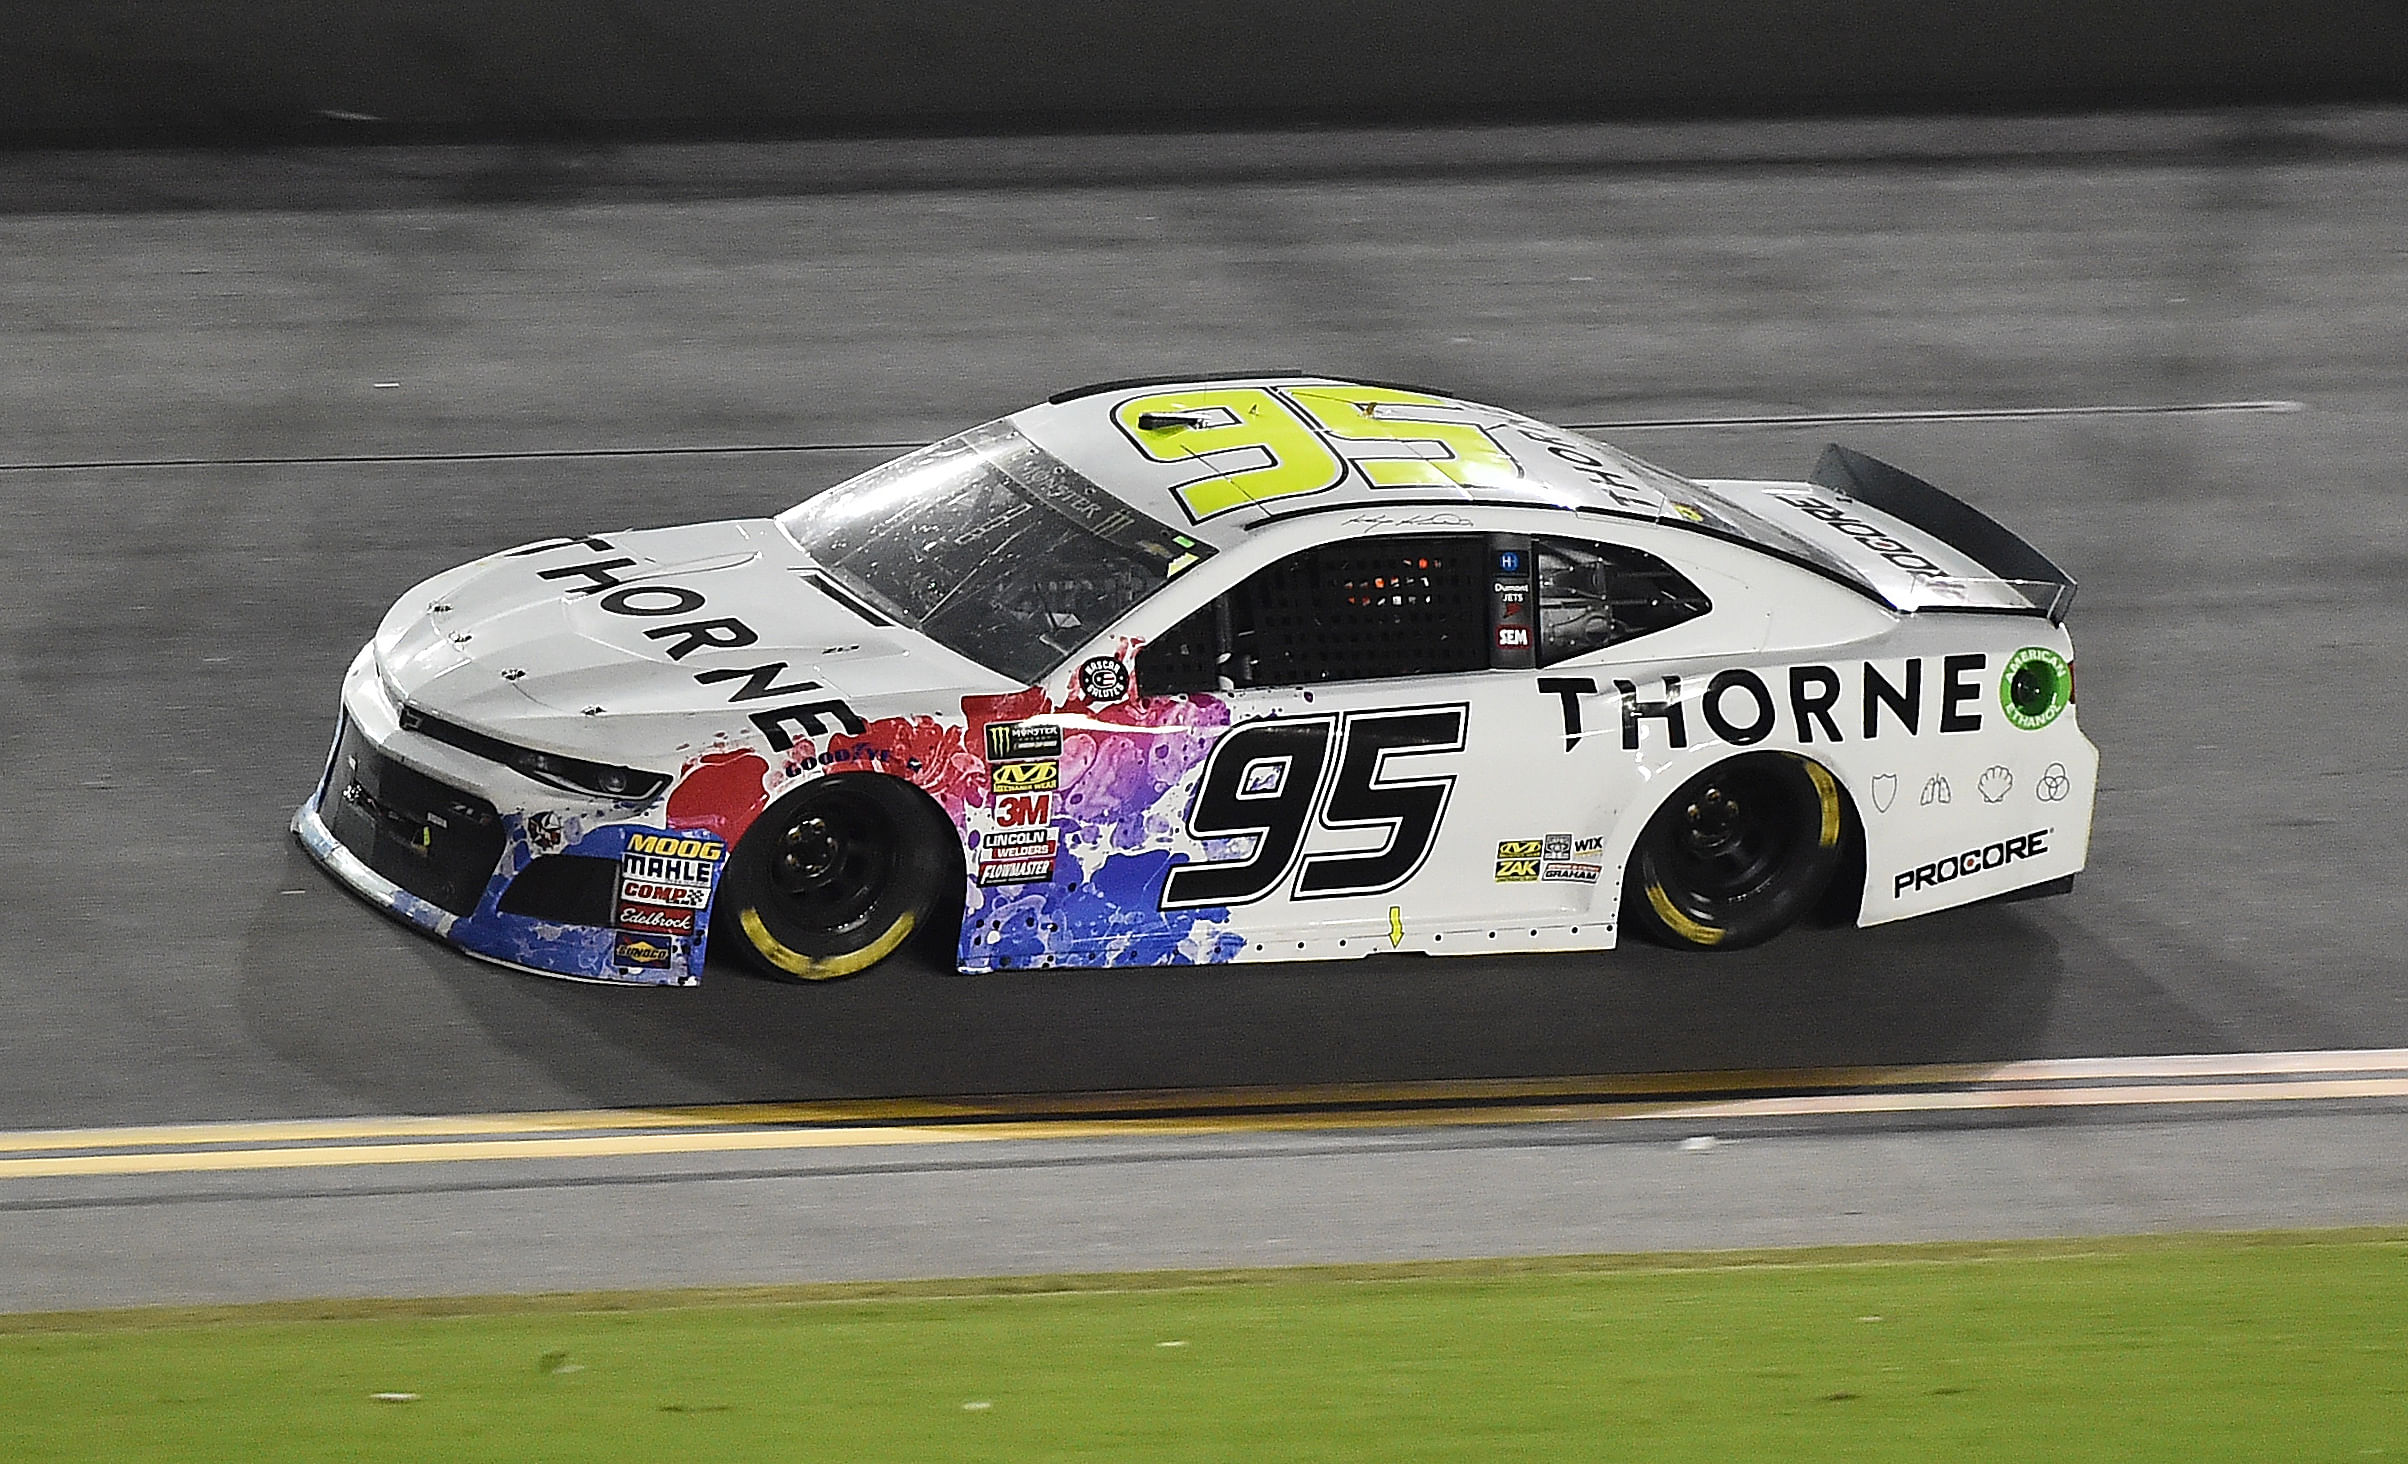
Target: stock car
1180, 671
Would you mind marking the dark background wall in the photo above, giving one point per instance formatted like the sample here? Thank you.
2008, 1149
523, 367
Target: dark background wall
233, 70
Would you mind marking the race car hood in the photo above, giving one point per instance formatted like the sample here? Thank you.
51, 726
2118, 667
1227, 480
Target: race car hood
528, 646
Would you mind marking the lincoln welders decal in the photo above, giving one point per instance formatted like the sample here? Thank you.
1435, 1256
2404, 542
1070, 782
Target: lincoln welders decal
1971, 862
1017, 856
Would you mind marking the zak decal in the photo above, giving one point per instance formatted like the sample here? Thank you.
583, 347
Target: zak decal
689, 630
1971, 862
1517, 861
2035, 686
1864, 701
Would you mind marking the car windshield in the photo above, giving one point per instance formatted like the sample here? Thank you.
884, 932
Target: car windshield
991, 546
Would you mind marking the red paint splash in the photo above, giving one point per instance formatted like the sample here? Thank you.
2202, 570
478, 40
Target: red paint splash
723, 792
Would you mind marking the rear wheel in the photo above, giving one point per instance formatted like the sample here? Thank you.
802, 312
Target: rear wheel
1736, 855
834, 879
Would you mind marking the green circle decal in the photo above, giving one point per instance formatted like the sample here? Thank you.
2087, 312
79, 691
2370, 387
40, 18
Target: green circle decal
2035, 687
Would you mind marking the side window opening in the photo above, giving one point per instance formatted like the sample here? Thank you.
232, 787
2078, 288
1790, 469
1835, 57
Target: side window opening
1369, 609
1359, 610
1595, 595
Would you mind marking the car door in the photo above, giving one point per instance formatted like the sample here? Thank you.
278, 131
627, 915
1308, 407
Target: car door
1354, 797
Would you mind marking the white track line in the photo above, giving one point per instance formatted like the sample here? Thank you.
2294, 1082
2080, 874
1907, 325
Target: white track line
1641, 424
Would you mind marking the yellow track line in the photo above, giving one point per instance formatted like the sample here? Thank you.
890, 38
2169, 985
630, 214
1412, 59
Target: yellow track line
724, 1140
1137, 1103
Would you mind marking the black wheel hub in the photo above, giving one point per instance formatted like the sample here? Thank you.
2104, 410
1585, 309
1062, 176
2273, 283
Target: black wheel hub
830, 865
1729, 840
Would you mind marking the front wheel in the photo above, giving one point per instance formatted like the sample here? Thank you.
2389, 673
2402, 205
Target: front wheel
834, 879
1736, 855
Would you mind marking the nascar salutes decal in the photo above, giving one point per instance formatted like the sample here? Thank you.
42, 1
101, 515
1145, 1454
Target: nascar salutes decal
665, 882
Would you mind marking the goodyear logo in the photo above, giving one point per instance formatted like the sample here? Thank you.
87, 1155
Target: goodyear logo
1018, 741
670, 846
1517, 860
1027, 777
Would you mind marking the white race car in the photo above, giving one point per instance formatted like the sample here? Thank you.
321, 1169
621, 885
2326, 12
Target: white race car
1260, 668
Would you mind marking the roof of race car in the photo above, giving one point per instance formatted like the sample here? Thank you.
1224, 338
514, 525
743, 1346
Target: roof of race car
1215, 457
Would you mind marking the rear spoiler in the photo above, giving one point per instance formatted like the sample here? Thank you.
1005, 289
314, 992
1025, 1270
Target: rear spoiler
1953, 521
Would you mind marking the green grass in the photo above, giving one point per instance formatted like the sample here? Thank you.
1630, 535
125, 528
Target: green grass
2291, 1347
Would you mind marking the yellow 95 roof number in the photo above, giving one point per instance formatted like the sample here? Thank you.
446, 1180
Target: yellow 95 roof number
1256, 444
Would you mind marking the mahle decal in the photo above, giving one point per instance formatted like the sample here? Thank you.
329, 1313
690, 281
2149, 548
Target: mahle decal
2035, 686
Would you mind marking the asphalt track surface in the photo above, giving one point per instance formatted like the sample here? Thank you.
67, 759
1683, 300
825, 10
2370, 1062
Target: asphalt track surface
314, 396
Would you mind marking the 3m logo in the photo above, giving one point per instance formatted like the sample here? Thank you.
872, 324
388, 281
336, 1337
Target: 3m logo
1022, 810
1027, 777
1517, 861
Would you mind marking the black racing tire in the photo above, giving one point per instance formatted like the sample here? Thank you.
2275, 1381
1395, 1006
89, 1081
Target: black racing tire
835, 878
1737, 854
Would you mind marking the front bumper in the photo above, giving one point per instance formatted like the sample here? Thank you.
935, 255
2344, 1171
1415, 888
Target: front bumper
441, 840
